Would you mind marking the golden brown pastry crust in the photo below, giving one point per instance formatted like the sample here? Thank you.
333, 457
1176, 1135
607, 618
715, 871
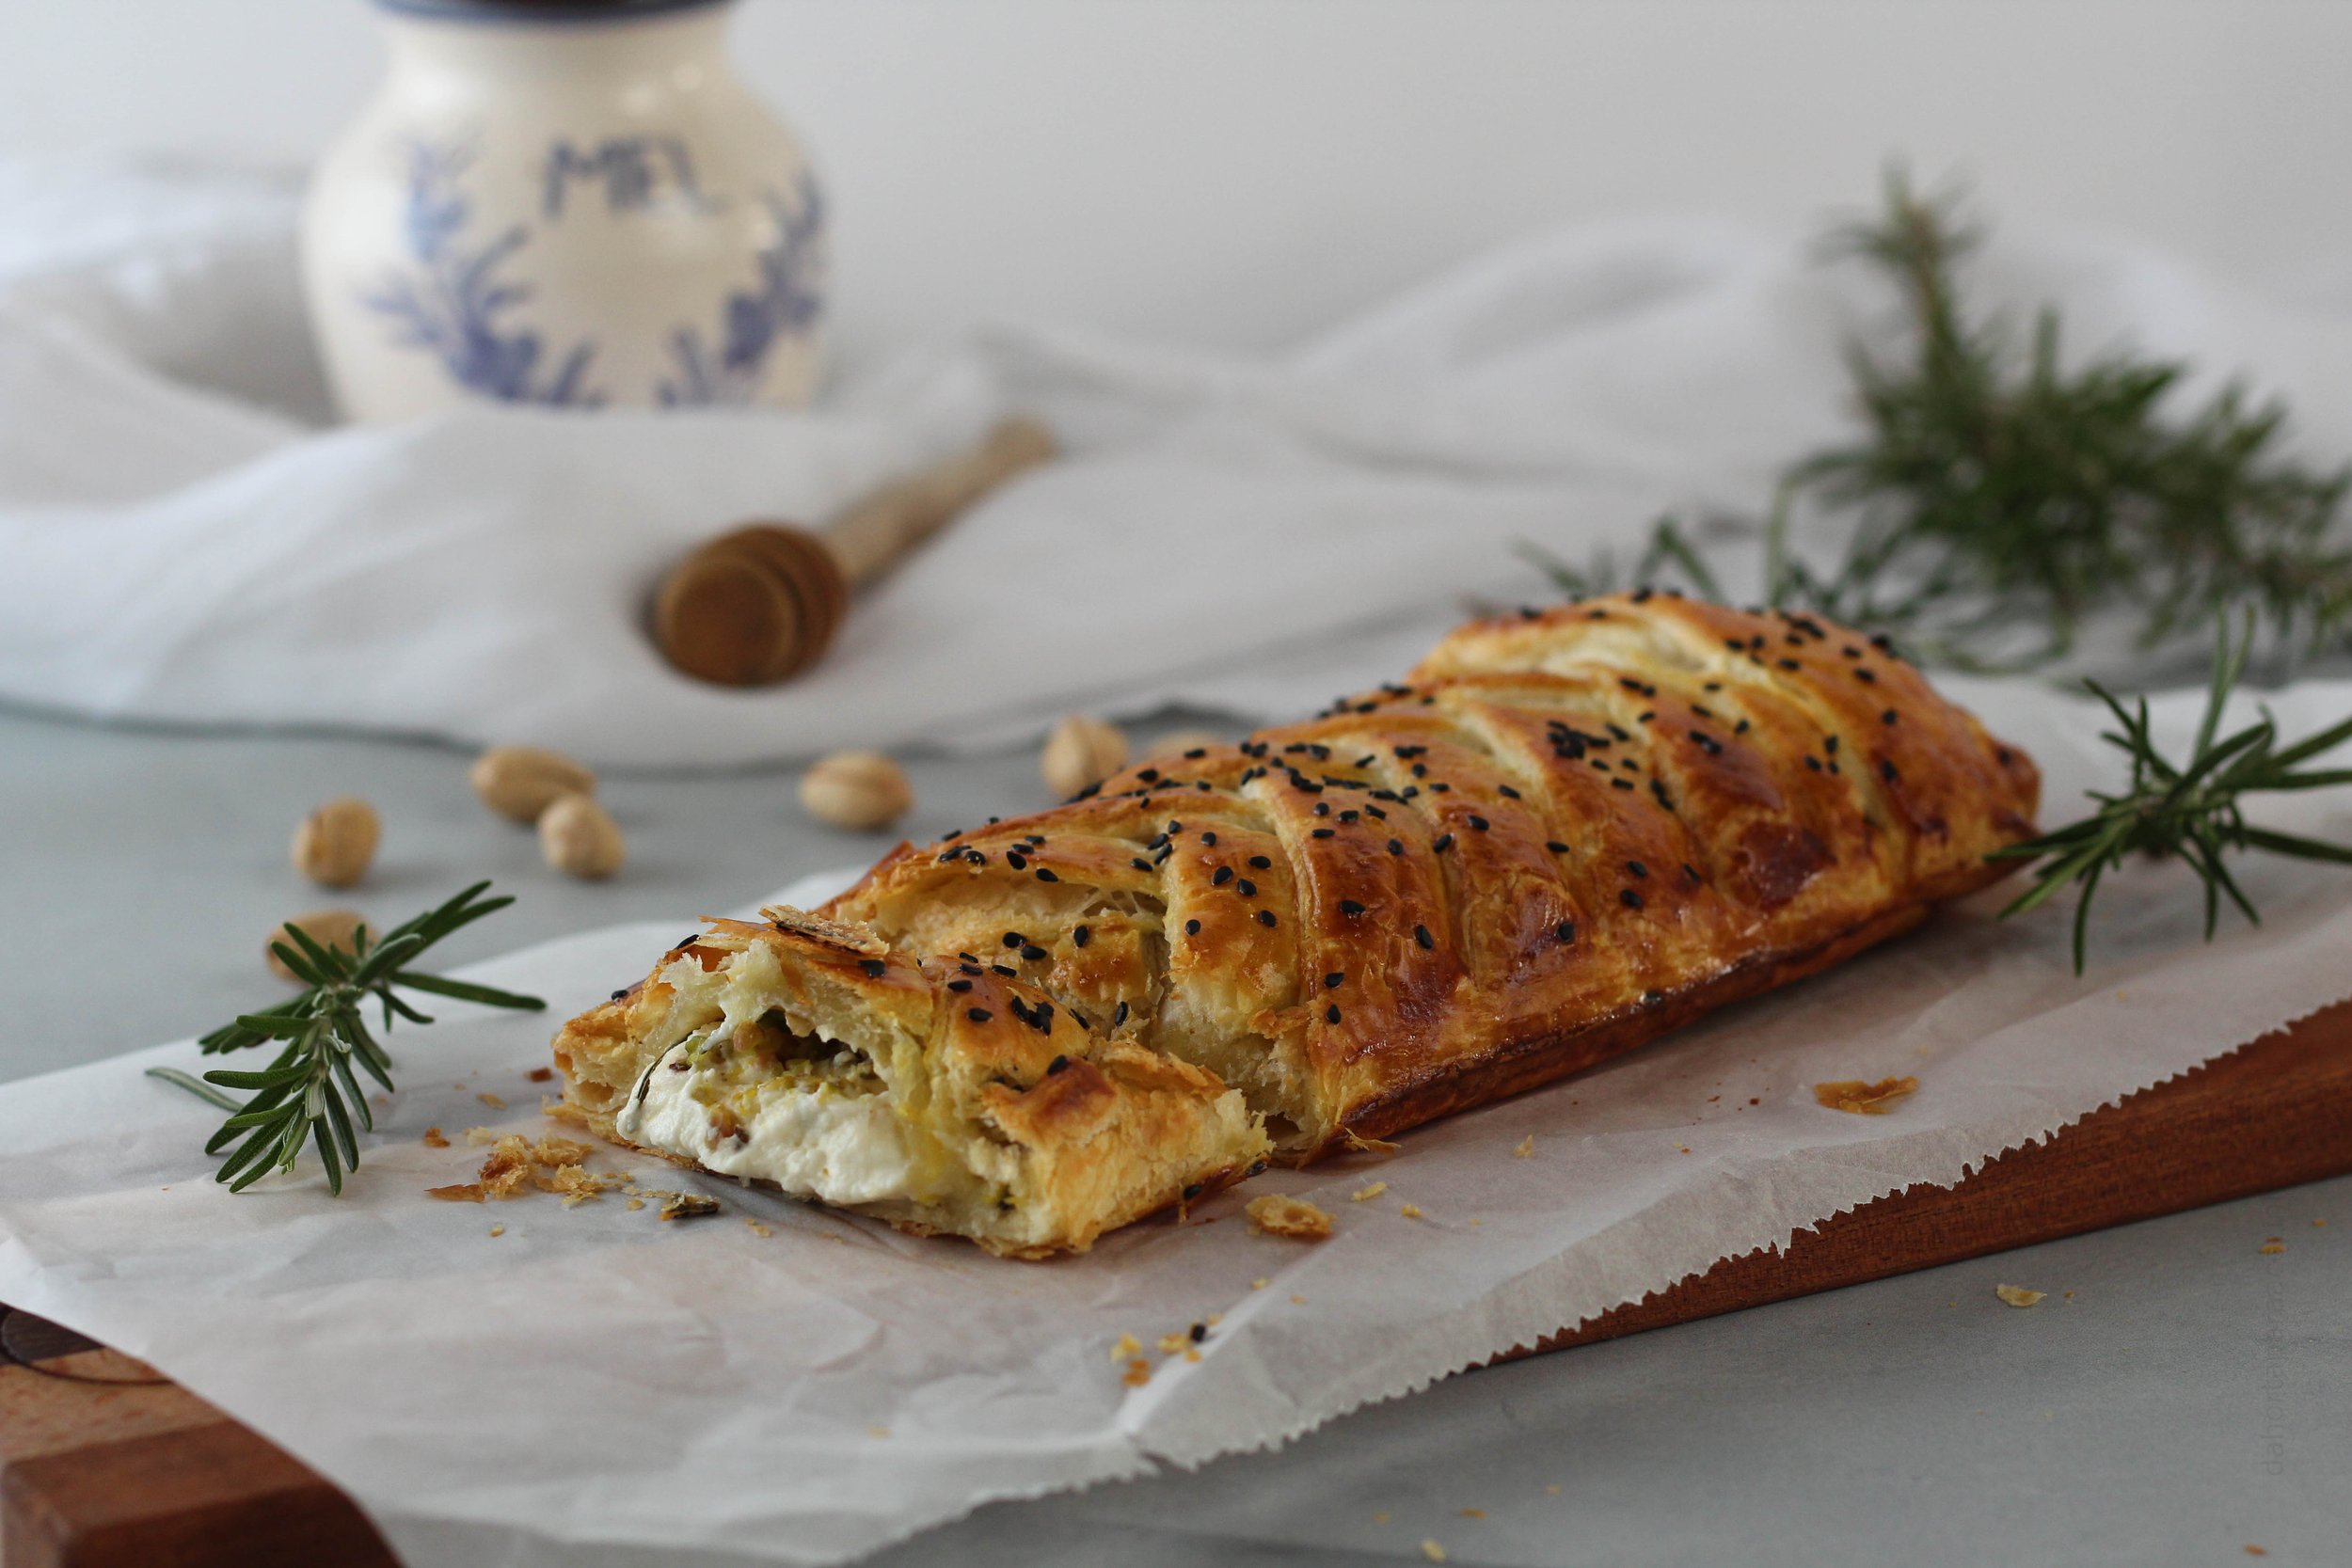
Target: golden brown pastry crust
1566, 834
1083, 1133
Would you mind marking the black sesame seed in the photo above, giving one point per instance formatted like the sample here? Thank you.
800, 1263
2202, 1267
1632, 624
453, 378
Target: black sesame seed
1140, 863
1421, 934
1690, 871
1260, 863
1555, 847
1506, 792
1626, 784
1059, 1064
1224, 875
1871, 676
1046, 874
1080, 936
1886, 771
1813, 762
979, 1014
1630, 898
1266, 917
1350, 908
1246, 888
1323, 808
958, 985
1637, 868
1396, 847
1331, 1013
1209, 839
1477, 822
1564, 931
874, 968
1442, 843
1192, 927
1014, 939
1120, 1017
1332, 980
1322, 833
1002, 969
1790, 664
1032, 952
1888, 716
688, 941
1016, 860
1828, 744
618, 994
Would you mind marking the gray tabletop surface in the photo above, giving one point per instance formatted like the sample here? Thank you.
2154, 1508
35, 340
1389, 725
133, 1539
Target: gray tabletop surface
2189, 1402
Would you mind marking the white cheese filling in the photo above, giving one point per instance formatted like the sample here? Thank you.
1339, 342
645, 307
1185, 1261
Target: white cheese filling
837, 1148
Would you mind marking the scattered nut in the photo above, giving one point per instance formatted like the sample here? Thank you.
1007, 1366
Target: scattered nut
520, 781
2017, 1296
579, 838
859, 790
1080, 751
1182, 741
336, 843
327, 927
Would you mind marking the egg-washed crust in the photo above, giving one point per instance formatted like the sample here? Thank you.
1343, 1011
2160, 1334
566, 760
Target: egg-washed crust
1107, 1131
1566, 832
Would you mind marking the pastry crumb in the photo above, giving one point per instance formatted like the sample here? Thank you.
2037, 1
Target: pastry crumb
1191, 1354
687, 1205
1861, 1099
1260, 1284
636, 1203
1411, 1210
1431, 1550
1473, 1513
1552, 1490
1294, 1217
1524, 1148
1362, 1145
1379, 1519
480, 1135
755, 1227
491, 1101
2253, 1550
1364, 1195
540, 1074
1299, 1301
2272, 1247
2017, 1296
463, 1191
1172, 1343
432, 1138
1126, 1347
878, 1432
498, 1231
1138, 1373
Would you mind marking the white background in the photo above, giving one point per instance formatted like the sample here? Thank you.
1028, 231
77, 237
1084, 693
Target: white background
1237, 173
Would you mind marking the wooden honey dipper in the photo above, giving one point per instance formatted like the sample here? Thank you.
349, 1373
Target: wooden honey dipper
762, 602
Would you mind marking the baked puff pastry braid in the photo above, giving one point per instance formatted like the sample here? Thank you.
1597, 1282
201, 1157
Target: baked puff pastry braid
1565, 833
940, 1094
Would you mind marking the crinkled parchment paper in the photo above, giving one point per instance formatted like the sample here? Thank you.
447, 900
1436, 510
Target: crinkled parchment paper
596, 1386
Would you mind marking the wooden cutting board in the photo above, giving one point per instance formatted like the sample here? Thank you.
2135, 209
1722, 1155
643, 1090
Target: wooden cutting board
104, 1466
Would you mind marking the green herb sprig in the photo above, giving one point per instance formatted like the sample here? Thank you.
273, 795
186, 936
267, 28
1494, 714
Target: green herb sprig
1997, 500
2190, 810
310, 1090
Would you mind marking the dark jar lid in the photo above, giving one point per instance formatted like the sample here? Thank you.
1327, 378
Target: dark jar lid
541, 12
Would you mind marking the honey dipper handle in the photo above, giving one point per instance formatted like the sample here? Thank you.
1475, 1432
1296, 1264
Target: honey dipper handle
876, 532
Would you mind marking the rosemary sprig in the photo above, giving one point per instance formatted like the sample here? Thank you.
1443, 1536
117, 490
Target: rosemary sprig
309, 1089
1997, 500
2190, 810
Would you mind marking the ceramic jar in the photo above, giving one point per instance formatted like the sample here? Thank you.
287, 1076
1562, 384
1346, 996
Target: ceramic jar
568, 204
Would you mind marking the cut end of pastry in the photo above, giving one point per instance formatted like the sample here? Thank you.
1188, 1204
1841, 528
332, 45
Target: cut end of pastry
935, 1093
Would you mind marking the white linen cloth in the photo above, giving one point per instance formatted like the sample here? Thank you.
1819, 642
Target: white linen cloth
594, 1388
181, 540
